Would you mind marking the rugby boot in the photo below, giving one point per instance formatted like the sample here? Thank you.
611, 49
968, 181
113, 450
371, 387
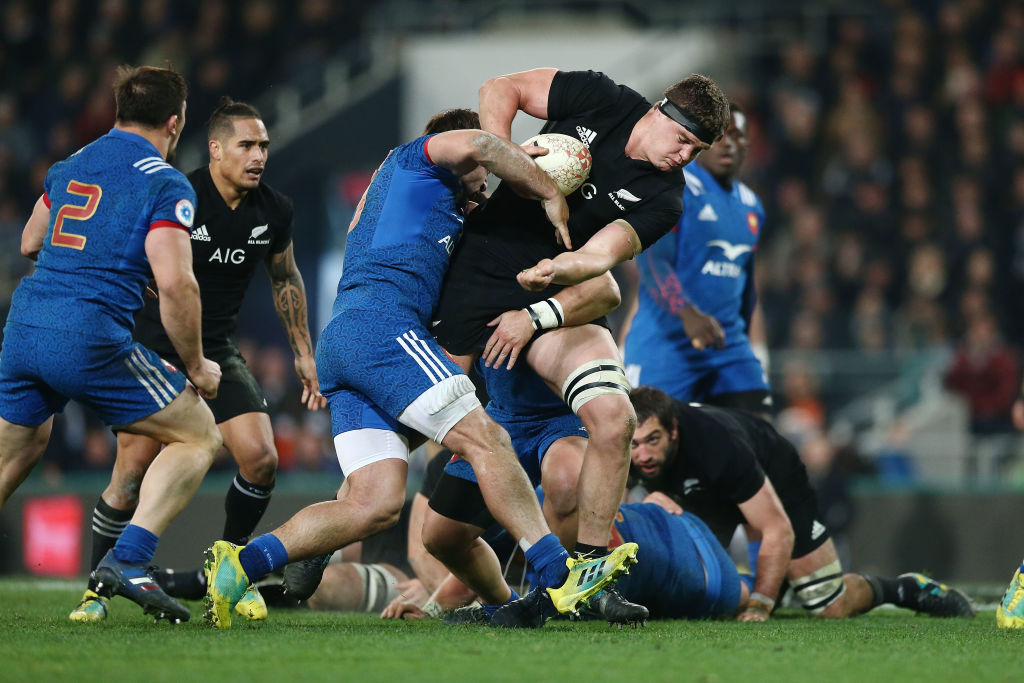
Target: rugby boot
184, 585
533, 610
92, 607
473, 615
588, 576
252, 606
135, 582
1010, 612
610, 605
302, 578
936, 599
226, 583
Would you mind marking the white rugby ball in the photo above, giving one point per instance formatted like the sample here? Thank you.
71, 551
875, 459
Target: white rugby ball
567, 162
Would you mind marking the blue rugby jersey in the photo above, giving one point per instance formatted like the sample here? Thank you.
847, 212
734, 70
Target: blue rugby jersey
402, 236
707, 260
93, 270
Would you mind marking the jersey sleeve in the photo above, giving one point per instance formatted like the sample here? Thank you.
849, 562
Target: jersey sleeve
173, 202
413, 156
655, 217
657, 267
573, 92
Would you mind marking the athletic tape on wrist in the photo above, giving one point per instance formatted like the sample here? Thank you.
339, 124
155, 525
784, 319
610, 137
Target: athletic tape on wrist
546, 314
432, 609
763, 599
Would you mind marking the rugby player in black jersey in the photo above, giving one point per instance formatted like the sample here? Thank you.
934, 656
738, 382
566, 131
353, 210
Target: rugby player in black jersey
632, 197
729, 467
241, 223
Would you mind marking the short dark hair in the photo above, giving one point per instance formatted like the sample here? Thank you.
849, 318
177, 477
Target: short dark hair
452, 119
222, 119
649, 402
148, 95
703, 101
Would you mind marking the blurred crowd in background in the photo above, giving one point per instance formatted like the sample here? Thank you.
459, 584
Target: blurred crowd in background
890, 159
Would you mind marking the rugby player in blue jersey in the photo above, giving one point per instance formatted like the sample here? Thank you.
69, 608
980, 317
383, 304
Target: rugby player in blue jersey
389, 384
110, 214
690, 336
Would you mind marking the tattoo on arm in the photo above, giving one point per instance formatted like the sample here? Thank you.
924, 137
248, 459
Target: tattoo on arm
290, 300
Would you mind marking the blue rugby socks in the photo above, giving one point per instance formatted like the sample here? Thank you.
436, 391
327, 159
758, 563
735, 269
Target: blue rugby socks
491, 609
548, 557
263, 555
136, 545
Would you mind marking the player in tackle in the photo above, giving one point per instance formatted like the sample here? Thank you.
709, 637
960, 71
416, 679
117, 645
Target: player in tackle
389, 384
110, 213
632, 197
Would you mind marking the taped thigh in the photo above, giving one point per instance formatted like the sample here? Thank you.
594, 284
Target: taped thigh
379, 587
820, 588
590, 380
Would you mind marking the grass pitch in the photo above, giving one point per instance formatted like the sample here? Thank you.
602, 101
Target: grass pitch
39, 643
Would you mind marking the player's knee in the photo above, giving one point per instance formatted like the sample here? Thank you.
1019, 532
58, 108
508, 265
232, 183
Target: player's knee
259, 463
382, 513
612, 422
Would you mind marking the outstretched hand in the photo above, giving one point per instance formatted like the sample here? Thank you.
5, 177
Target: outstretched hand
305, 368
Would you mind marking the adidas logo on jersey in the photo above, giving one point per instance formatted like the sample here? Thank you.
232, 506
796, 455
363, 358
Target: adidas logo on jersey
586, 135
817, 529
151, 165
200, 234
707, 214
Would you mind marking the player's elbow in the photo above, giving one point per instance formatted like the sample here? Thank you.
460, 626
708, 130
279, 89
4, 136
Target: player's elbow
29, 251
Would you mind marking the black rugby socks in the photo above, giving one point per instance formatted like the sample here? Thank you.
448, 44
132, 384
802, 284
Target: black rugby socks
244, 506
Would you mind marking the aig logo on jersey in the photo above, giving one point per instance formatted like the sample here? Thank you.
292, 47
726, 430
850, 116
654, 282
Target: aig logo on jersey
258, 231
236, 256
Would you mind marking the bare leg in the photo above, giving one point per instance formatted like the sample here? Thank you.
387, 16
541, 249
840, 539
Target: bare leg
370, 501
135, 453
341, 588
609, 418
467, 556
250, 438
505, 487
187, 427
858, 597
20, 449
560, 474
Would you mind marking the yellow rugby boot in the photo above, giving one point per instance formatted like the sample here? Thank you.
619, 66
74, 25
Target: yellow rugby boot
92, 607
226, 583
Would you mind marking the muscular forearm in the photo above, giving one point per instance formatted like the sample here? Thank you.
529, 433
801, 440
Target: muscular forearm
589, 300
572, 267
290, 303
510, 163
773, 561
429, 570
181, 315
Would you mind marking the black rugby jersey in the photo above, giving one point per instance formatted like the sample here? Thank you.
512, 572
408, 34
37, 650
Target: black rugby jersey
228, 246
509, 233
723, 459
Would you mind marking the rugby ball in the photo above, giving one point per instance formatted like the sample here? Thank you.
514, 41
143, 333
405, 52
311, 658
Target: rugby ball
567, 162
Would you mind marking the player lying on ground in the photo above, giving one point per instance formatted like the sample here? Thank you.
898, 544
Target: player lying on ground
729, 467
387, 380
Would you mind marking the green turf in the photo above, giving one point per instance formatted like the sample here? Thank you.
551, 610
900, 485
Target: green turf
38, 643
